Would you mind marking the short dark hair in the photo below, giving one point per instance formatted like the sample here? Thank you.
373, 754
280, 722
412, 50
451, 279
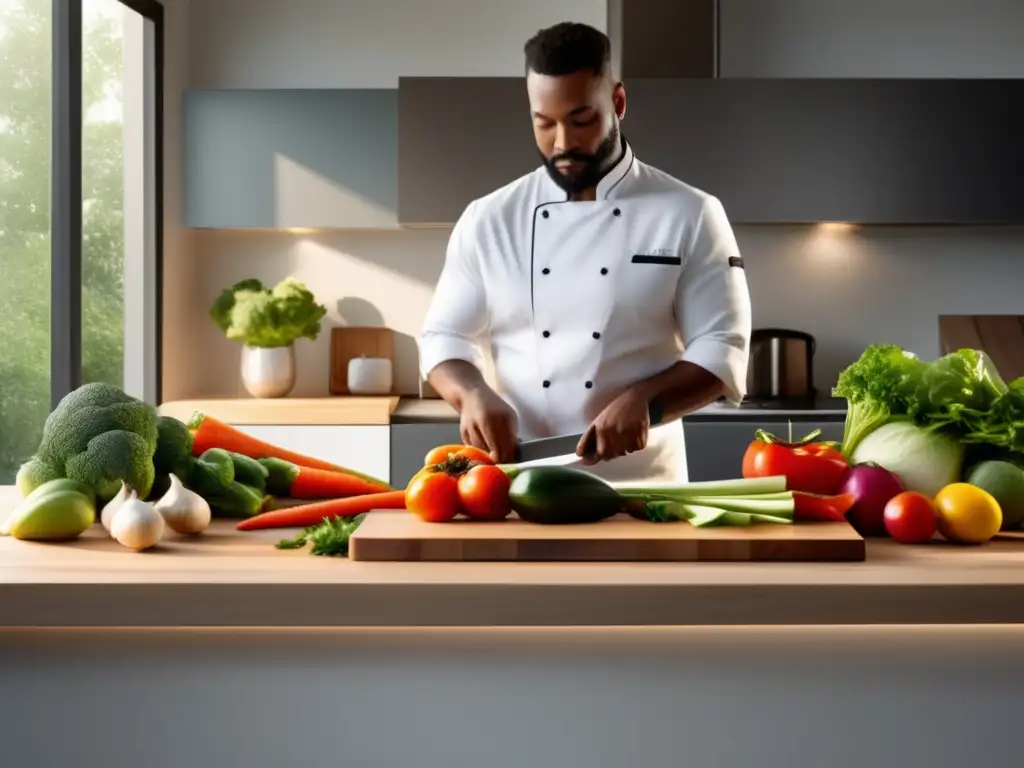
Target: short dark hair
566, 48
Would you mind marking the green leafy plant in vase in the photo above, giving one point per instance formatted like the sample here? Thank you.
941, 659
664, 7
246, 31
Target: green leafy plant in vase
268, 322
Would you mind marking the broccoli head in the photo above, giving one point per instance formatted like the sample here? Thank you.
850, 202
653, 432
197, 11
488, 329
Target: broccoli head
110, 458
250, 313
174, 444
99, 435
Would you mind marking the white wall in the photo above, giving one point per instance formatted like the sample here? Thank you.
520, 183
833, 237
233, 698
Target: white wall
895, 281
367, 43
181, 318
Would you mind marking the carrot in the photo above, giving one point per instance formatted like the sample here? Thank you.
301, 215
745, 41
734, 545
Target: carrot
287, 479
209, 432
312, 514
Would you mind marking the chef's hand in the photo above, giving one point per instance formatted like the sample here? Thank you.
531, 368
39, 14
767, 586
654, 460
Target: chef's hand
621, 428
489, 423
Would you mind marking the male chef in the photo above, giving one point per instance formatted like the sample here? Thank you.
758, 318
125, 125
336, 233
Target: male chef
605, 289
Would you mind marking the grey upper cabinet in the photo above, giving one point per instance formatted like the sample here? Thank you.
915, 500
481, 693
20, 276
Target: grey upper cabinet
459, 138
291, 158
887, 151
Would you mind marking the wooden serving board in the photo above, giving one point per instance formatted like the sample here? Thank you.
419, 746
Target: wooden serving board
400, 535
1001, 337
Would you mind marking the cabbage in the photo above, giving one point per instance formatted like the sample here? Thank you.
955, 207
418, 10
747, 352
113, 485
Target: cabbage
924, 461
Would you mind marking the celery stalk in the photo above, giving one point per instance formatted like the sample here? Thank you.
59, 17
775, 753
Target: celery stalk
738, 487
784, 508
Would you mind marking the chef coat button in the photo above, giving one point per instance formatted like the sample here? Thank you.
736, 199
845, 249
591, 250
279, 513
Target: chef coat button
546, 334
544, 214
545, 271
616, 212
597, 335
589, 384
604, 270
547, 383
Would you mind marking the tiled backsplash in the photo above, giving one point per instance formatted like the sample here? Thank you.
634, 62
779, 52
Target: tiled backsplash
849, 287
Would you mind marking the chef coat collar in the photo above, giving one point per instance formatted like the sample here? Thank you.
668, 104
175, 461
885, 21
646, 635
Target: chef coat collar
611, 185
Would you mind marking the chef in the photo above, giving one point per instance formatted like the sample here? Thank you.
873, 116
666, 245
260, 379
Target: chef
602, 289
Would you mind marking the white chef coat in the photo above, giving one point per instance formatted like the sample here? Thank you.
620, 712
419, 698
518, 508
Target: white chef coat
579, 300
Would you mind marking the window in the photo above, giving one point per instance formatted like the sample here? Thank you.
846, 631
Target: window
80, 195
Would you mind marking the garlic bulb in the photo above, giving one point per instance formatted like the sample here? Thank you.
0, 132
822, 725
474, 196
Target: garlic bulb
183, 510
136, 524
113, 505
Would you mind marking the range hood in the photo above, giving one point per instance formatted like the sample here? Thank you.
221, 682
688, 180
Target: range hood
663, 38
893, 151
884, 151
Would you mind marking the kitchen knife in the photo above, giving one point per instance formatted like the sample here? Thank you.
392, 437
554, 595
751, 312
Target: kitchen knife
564, 445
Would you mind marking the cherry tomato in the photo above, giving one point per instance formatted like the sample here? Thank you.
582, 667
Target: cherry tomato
910, 517
483, 491
807, 466
442, 452
434, 497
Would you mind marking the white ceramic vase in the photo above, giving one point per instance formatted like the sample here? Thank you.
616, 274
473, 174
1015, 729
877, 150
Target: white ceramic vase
268, 371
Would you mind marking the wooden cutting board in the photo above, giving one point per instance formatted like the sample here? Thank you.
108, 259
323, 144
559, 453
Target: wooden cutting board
400, 535
1001, 337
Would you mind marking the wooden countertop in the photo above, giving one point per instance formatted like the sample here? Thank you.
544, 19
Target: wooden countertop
348, 410
228, 579
330, 411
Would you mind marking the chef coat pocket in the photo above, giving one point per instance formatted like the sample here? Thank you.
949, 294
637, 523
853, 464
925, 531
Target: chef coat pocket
645, 258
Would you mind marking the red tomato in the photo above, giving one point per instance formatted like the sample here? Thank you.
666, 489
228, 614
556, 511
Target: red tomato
483, 491
910, 517
807, 466
442, 452
434, 497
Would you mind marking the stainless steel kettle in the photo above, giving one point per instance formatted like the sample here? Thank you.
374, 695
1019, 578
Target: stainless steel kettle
781, 365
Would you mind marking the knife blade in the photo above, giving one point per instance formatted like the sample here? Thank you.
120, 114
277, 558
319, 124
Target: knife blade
564, 445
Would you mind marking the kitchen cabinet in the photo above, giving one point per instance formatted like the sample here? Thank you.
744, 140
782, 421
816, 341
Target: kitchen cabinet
714, 449
411, 442
365, 449
291, 158
459, 138
876, 151
885, 151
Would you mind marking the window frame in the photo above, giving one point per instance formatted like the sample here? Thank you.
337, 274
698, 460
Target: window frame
66, 193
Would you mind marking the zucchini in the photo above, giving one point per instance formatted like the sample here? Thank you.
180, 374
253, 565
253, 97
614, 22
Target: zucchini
562, 496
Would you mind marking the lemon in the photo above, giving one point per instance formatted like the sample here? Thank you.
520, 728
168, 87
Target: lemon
967, 514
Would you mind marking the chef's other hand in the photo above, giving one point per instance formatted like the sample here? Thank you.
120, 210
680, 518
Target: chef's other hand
621, 428
489, 423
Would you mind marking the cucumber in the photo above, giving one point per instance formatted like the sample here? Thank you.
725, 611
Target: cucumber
562, 496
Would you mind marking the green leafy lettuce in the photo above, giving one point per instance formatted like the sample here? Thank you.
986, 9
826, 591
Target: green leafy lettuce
259, 317
960, 394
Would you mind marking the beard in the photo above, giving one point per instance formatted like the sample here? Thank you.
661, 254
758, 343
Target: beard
593, 166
